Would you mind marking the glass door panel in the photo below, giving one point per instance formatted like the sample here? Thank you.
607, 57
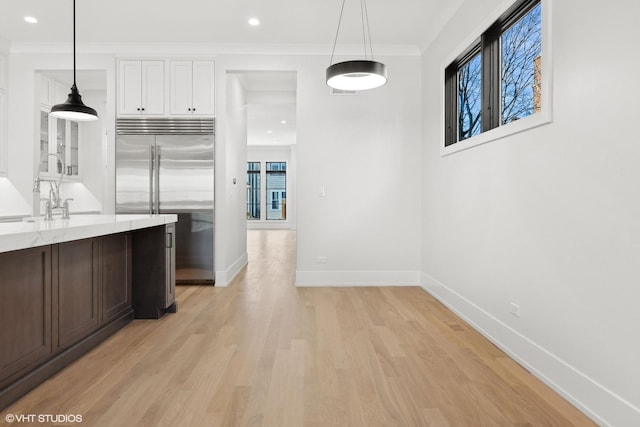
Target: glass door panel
72, 160
61, 143
44, 141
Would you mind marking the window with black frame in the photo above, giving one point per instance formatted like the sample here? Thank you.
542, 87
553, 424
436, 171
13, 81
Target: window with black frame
497, 80
276, 176
253, 190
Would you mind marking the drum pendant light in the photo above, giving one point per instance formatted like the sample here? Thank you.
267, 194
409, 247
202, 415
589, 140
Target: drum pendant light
356, 74
73, 108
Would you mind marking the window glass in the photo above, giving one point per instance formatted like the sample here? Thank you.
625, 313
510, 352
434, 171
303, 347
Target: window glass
253, 190
498, 78
470, 98
276, 166
521, 45
276, 191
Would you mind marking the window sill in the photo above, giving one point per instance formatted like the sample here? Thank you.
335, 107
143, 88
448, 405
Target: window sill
535, 120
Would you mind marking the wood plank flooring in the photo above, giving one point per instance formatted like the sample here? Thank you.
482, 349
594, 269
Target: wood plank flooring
265, 353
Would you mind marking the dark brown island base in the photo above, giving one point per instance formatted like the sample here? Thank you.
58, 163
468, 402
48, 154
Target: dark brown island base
59, 300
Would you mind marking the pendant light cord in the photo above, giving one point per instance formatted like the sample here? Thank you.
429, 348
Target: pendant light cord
366, 15
74, 43
335, 41
366, 30
364, 37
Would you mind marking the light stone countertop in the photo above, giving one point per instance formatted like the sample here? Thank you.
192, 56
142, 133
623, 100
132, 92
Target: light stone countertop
25, 234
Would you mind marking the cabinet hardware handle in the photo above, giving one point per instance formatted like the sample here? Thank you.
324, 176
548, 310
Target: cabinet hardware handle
143, 109
138, 109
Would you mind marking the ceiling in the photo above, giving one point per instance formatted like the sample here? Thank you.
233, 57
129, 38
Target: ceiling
401, 22
305, 23
271, 106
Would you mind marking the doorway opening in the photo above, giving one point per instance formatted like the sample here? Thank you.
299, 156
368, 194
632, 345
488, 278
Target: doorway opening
270, 98
269, 116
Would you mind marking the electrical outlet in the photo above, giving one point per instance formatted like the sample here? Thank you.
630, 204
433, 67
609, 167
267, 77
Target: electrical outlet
321, 259
514, 309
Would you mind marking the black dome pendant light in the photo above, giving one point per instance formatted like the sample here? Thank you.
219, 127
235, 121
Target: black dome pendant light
73, 108
356, 74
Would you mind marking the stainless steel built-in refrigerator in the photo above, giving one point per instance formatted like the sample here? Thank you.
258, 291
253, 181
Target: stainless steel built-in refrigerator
166, 166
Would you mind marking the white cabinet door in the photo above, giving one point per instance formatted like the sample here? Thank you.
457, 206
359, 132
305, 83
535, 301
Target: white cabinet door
181, 87
46, 91
3, 114
152, 87
60, 93
60, 144
140, 87
130, 87
45, 131
61, 137
73, 150
3, 72
203, 91
3, 131
192, 87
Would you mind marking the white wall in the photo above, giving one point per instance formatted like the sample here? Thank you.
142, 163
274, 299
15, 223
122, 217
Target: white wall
13, 204
365, 150
275, 153
549, 218
230, 204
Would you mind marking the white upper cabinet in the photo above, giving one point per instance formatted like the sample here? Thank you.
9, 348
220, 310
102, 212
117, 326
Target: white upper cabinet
46, 91
3, 114
52, 92
141, 87
181, 87
153, 87
192, 87
203, 87
3, 72
57, 136
3, 131
60, 93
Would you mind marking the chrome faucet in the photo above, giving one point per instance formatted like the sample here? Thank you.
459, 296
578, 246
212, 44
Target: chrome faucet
54, 201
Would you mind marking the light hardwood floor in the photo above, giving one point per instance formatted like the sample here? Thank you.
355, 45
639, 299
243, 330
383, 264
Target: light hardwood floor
265, 353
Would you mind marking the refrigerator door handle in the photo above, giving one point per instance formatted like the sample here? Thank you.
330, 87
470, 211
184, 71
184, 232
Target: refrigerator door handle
151, 166
157, 173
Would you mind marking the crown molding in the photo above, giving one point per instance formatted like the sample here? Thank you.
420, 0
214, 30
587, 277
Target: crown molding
209, 49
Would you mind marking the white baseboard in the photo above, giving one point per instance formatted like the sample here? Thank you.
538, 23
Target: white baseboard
597, 402
224, 277
357, 278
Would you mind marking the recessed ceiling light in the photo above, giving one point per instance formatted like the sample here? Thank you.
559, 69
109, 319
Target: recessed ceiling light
284, 122
254, 22
31, 19
269, 132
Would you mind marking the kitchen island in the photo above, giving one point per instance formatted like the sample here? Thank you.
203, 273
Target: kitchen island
68, 284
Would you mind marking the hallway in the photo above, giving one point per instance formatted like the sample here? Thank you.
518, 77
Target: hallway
265, 353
